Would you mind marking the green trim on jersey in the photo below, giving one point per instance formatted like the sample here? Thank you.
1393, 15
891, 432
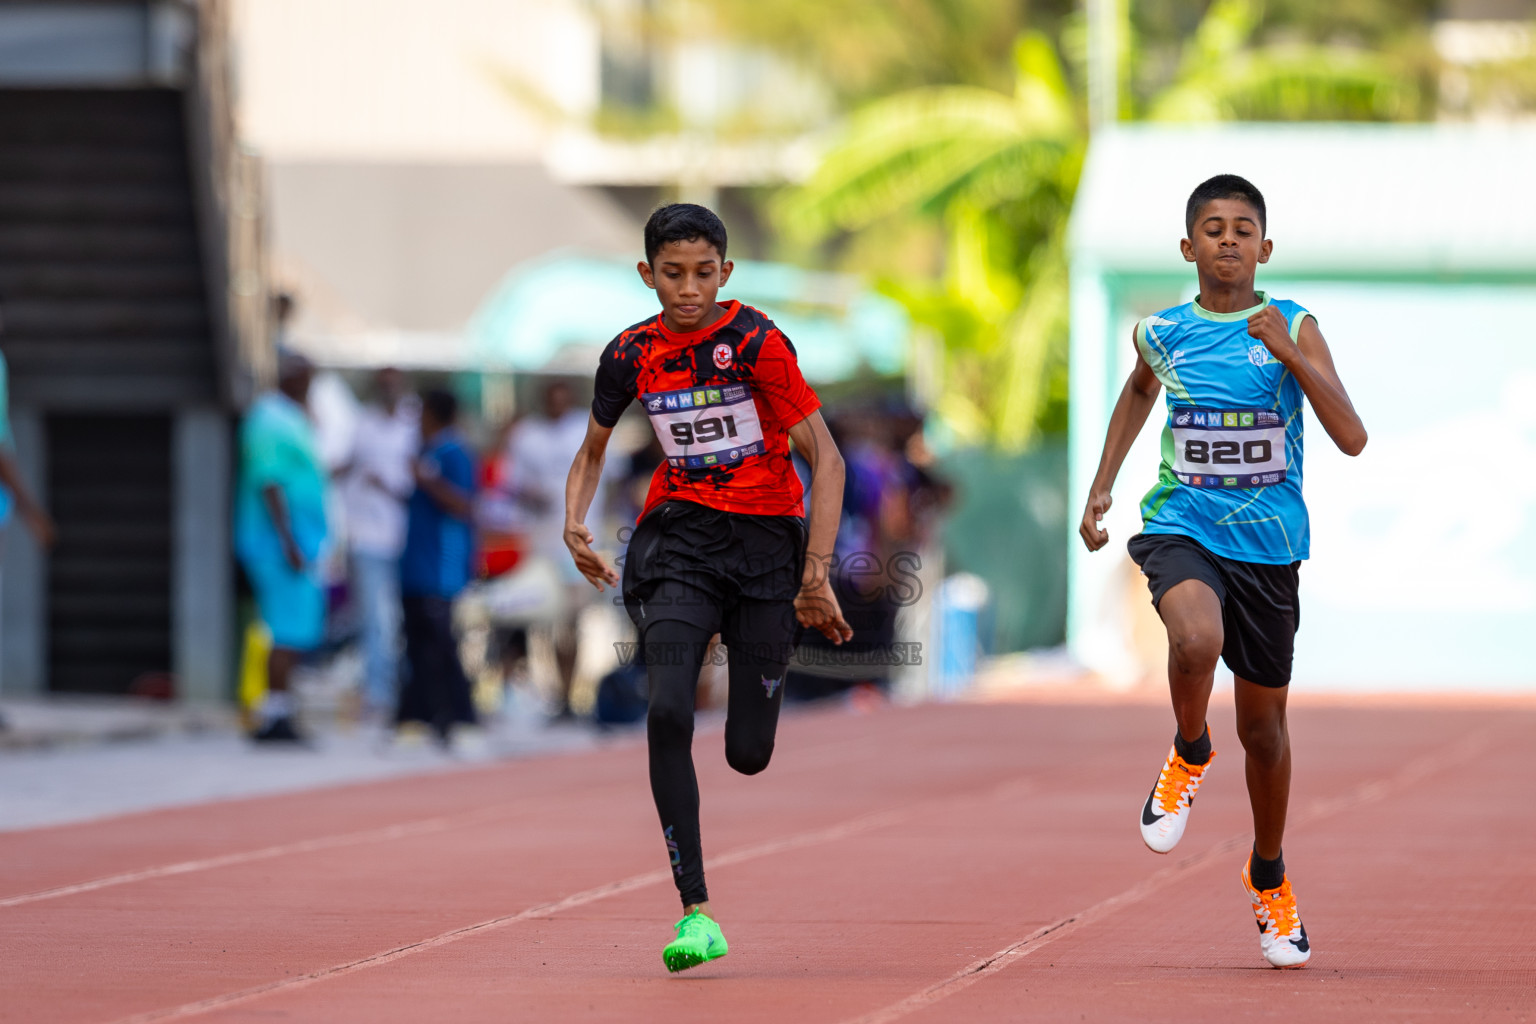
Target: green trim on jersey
1226, 318
1296, 325
1207, 361
1166, 484
1158, 358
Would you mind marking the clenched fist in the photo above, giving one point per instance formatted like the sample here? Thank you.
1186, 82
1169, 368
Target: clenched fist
1269, 326
1088, 529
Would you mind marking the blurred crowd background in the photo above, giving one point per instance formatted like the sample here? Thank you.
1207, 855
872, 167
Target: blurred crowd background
955, 208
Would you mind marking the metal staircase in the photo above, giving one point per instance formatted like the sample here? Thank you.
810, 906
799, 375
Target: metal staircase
103, 307
123, 234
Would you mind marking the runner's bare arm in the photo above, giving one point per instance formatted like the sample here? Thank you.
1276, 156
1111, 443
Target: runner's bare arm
580, 487
1135, 402
816, 605
36, 519
276, 503
1311, 364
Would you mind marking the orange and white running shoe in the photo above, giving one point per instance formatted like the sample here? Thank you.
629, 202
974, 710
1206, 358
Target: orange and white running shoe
1282, 936
1166, 812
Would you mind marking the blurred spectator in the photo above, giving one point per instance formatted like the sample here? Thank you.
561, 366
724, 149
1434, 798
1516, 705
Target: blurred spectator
435, 567
375, 483
635, 483
13, 488
890, 508
500, 520
283, 306
280, 534
542, 447
501, 525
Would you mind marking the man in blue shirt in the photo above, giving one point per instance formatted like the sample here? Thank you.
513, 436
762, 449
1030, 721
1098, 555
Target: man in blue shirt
437, 564
281, 532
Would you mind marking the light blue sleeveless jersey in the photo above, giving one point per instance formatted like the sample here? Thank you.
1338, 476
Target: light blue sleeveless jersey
1231, 470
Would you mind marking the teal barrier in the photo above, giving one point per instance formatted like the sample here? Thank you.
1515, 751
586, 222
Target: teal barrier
1007, 525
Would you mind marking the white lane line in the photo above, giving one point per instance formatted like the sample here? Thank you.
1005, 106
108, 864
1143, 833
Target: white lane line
426, 826
382, 834
832, 833
1415, 771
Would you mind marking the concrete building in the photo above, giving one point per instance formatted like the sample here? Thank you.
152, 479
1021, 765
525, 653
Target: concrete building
132, 294
418, 152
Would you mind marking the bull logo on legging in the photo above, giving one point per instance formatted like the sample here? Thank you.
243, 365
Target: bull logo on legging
770, 685
672, 851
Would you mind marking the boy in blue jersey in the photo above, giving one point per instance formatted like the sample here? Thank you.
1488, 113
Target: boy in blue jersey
435, 567
1225, 528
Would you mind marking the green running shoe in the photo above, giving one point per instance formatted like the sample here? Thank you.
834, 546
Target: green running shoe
698, 940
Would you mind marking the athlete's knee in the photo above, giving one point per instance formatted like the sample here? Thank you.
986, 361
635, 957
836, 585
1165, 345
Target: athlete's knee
1195, 649
669, 722
748, 756
1264, 738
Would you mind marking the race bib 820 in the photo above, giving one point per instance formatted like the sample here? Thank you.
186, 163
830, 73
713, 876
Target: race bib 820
1228, 447
707, 426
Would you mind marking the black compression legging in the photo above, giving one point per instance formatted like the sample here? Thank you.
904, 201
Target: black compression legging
674, 655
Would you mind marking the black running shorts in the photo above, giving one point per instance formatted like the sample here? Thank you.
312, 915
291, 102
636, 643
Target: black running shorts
1260, 604
726, 572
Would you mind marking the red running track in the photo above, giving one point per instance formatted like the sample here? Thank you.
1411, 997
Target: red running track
940, 863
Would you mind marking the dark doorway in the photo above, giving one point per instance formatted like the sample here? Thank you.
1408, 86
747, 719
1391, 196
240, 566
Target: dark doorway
109, 579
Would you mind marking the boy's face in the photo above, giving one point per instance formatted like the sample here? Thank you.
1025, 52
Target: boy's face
1228, 244
429, 424
687, 276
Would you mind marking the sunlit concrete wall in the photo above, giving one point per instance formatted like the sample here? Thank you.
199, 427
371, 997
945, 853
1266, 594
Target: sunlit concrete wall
407, 80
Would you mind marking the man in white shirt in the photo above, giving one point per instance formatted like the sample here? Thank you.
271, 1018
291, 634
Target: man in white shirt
541, 449
376, 481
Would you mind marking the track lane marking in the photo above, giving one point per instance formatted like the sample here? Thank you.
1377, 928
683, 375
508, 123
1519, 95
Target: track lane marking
1414, 771
383, 833
1365, 793
425, 826
832, 833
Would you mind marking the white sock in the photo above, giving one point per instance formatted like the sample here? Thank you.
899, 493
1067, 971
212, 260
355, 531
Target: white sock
275, 705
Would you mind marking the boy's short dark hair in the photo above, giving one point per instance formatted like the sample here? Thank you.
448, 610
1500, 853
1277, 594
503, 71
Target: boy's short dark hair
682, 222
1223, 186
443, 405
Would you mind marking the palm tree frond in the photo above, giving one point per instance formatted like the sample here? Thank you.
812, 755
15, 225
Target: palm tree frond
1292, 84
1318, 83
911, 150
1225, 30
1040, 84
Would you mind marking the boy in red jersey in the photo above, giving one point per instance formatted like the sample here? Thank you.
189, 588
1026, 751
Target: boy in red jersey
722, 545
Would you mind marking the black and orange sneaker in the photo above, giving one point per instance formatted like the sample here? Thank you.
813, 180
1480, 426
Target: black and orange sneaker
1282, 936
1166, 812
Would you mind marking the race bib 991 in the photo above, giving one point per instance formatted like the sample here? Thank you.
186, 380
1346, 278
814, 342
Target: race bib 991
704, 427
1228, 447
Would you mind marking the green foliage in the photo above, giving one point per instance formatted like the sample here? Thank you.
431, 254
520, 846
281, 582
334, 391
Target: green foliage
996, 172
1224, 77
1376, 24
864, 49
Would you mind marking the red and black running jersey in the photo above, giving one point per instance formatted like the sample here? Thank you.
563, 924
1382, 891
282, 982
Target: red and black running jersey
721, 400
